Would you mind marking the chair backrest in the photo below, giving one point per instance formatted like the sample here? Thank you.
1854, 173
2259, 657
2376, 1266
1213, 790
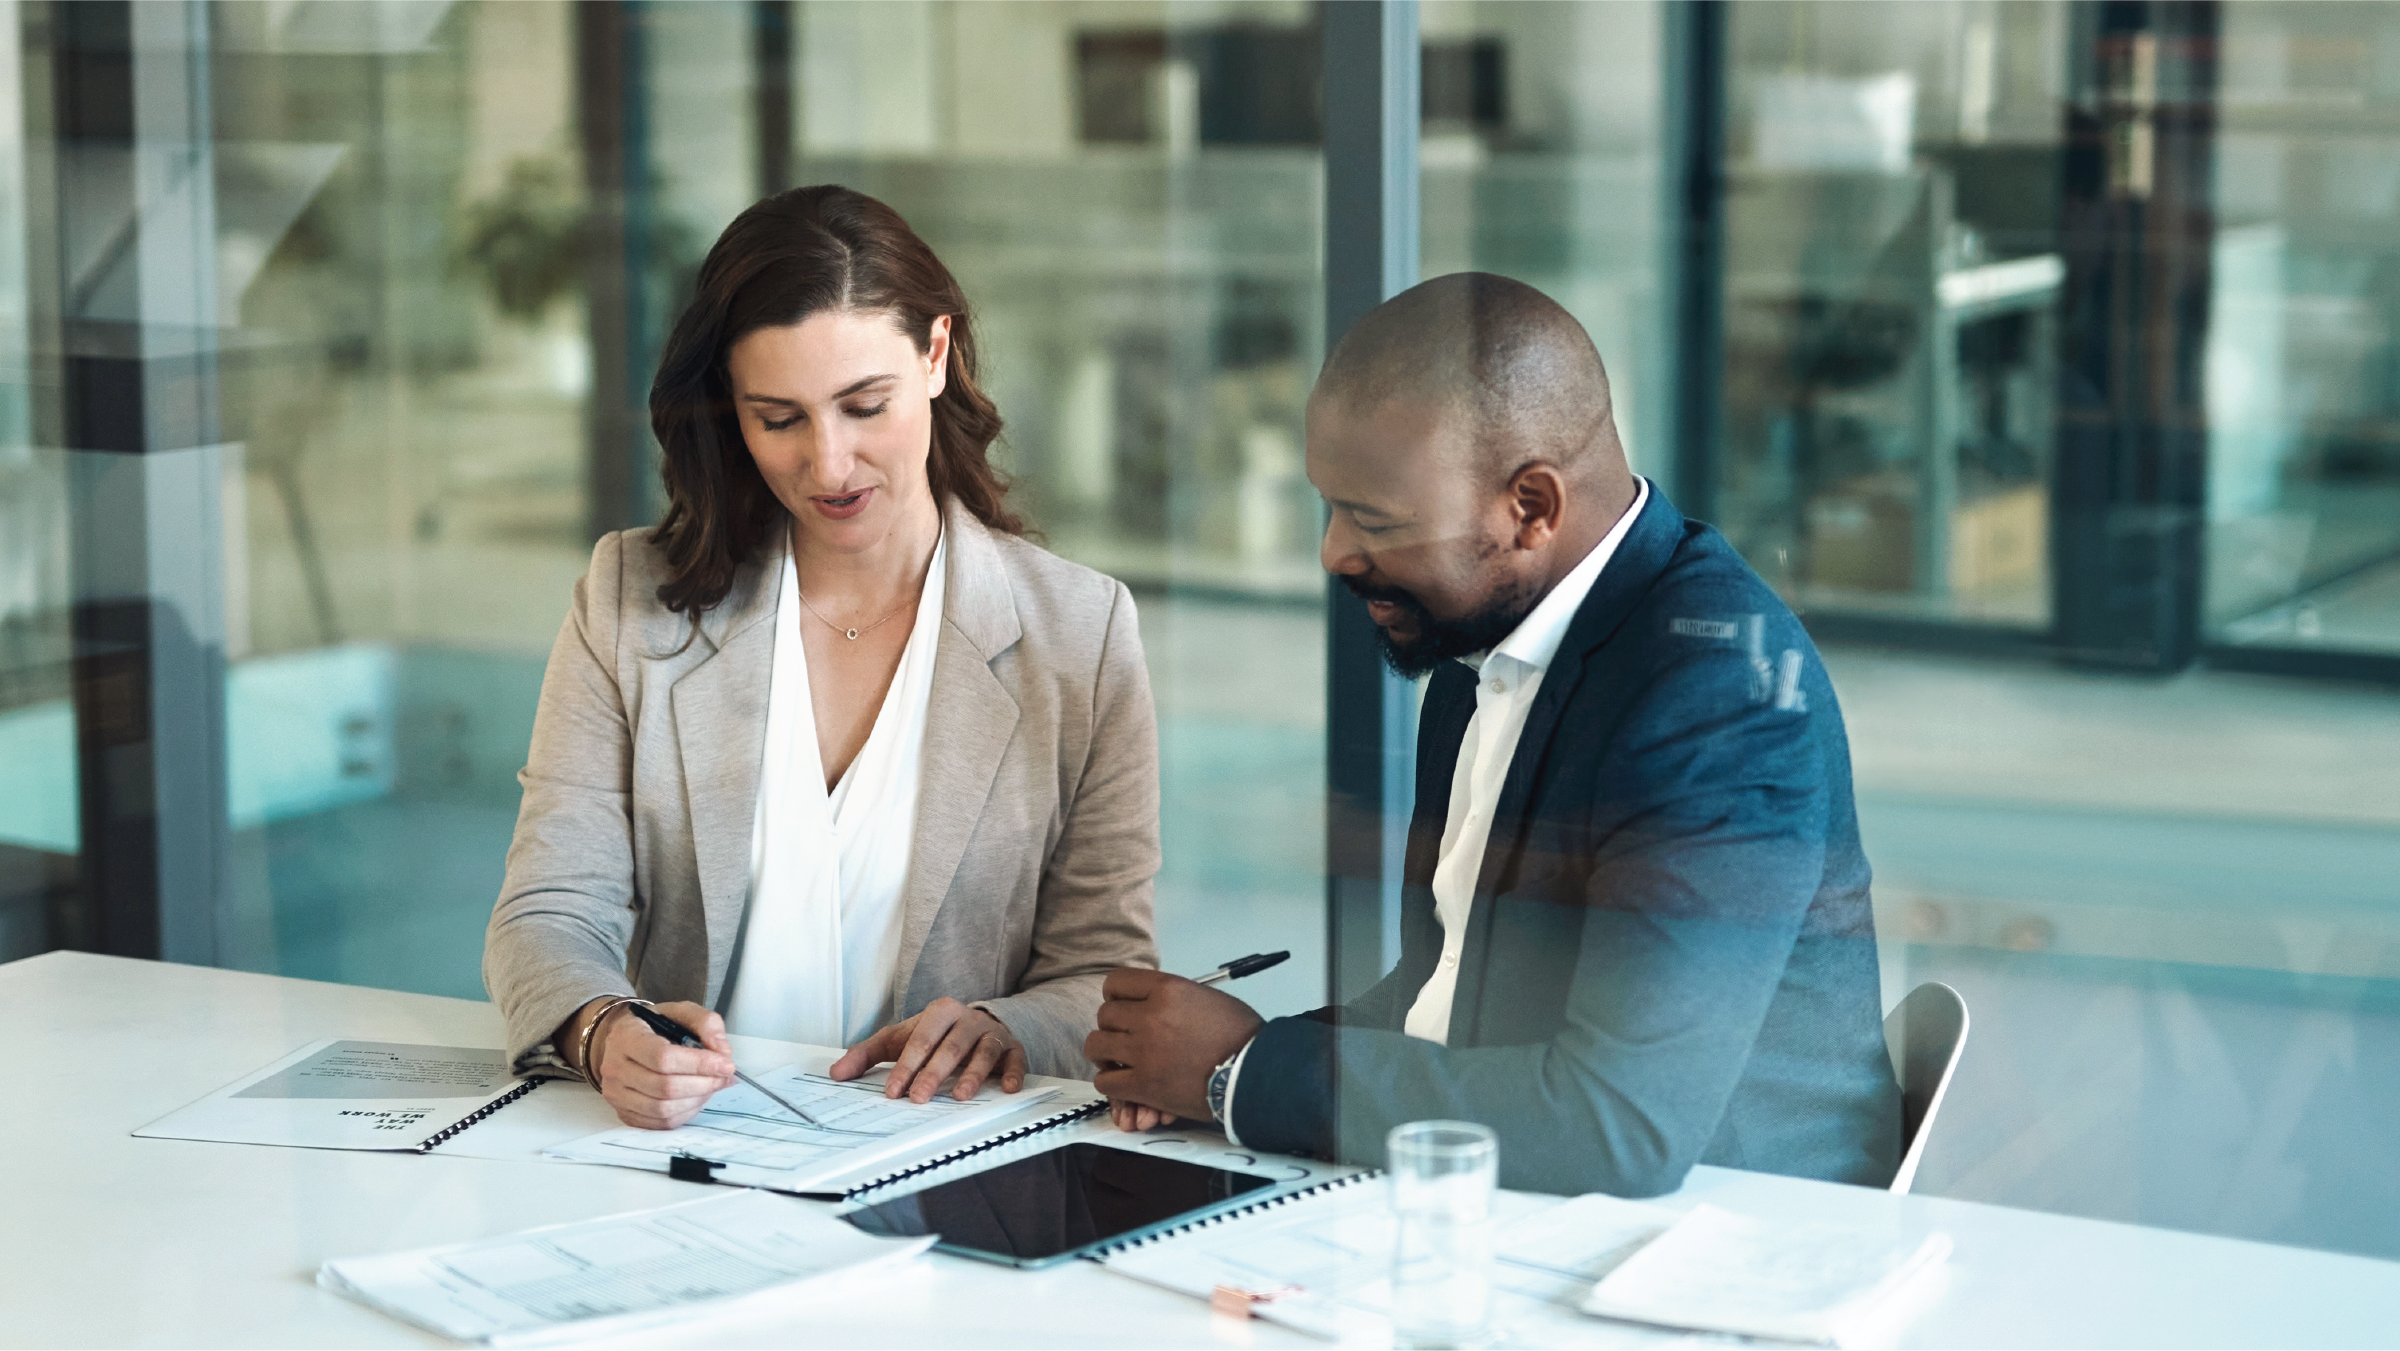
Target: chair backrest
1924, 1032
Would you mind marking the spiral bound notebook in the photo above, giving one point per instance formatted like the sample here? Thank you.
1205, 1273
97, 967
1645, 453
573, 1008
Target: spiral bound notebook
1077, 1198
336, 1094
980, 1153
856, 1139
1255, 1206
403, 1097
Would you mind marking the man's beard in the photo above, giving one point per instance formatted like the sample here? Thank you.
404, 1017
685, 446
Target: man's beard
1441, 640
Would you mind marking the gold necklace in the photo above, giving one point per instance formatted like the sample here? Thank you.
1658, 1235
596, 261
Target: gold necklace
851, 634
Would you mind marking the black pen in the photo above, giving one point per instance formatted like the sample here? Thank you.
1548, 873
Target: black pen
1240, 967
679, 1035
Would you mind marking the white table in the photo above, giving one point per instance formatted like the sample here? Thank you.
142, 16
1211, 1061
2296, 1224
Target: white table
114, 1241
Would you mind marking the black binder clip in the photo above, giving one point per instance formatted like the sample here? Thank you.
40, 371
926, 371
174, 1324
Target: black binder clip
692, 1168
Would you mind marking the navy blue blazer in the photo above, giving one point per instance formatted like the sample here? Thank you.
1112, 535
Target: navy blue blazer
1670, 958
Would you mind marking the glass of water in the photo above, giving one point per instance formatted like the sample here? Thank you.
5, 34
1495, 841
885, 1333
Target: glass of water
1442, 1174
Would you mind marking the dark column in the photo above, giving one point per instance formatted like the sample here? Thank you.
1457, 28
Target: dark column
1371, 115
2136, 229
1695, 104
771, 64
612, 118
129, 264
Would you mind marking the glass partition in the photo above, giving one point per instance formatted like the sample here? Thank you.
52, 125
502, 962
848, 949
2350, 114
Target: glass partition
399, 192
1139, 223
2058, 395
1538, 167
449, 238
2304, 343
2019, 311
40, 835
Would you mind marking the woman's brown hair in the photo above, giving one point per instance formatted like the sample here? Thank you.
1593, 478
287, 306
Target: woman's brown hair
797, 254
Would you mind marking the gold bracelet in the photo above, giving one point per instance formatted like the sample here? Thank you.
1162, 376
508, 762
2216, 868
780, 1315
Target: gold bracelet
583, 1046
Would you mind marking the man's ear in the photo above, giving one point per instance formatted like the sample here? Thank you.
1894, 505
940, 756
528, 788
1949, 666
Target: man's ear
1537, 500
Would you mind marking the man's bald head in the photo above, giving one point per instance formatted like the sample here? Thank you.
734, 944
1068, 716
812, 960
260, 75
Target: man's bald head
1462, 440
1510, 362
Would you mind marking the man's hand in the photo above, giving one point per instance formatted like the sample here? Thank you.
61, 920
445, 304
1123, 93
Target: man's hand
948, 1036
1160, 1037
1135, 1118
655, 1085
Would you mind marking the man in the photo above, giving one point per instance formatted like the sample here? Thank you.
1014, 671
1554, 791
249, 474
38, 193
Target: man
1635, 932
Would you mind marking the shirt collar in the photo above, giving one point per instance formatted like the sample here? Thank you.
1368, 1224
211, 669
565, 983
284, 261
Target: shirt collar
1534, 642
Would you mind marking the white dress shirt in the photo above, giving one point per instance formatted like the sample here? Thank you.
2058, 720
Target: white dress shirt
1511, 674
1509, 677
820, 942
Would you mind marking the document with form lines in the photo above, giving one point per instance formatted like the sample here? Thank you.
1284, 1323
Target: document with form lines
855, 1130
573, 1282
1322, 1265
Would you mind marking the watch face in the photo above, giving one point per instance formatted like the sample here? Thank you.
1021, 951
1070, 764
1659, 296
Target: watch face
1218, 1082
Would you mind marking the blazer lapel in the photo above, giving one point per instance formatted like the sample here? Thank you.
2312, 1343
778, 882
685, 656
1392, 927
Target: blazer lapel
1442, 732
967, 730
1640, 558
720, 711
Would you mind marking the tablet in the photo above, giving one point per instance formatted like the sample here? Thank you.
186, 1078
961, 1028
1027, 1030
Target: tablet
1061, 1203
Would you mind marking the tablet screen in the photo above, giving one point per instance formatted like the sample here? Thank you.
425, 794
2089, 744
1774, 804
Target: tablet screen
1056, 1202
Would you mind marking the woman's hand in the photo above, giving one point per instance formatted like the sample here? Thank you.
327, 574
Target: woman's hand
651, 1083
948, 1036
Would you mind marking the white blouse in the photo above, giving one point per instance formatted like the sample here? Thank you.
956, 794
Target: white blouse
820, 939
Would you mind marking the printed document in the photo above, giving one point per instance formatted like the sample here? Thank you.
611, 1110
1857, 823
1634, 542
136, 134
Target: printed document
349, 1095
1722, 1272
1322, 1264
571, 1282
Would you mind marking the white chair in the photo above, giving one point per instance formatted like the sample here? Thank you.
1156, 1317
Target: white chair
1924, 1032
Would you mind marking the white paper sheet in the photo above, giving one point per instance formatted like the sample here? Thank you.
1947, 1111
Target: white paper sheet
857, 1129
337, 1094
600, 1277
1327, 1261
1722, 1272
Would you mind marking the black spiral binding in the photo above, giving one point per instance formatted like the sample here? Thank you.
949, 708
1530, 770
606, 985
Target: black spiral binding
1083, 1113
523, 1088
1226, 1216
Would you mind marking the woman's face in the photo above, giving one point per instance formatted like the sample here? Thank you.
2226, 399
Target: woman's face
838, 412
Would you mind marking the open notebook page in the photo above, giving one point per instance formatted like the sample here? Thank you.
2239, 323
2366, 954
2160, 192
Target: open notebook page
856, 1129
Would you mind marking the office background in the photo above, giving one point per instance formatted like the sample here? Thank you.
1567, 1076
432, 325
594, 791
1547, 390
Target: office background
2045, 355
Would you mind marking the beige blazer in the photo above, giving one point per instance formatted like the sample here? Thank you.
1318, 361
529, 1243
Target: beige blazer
1037, 819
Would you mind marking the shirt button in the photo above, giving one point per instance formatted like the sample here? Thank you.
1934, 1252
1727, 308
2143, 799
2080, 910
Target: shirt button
1449, 959
1499, 686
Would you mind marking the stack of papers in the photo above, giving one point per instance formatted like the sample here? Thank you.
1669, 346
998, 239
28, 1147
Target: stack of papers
569, 1282
1322, 1265
1722, 1272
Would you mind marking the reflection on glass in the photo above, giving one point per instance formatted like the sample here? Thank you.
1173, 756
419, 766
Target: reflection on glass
440, 401
398, 205
2166, 900
2304, 334
1891, 278
1135, 210
1541, 161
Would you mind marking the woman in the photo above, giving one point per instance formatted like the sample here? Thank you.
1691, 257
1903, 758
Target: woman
831, 750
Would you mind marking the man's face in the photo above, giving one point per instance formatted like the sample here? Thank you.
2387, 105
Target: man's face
1415, 530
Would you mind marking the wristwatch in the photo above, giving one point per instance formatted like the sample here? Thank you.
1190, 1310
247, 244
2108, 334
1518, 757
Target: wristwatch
1219, 1081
